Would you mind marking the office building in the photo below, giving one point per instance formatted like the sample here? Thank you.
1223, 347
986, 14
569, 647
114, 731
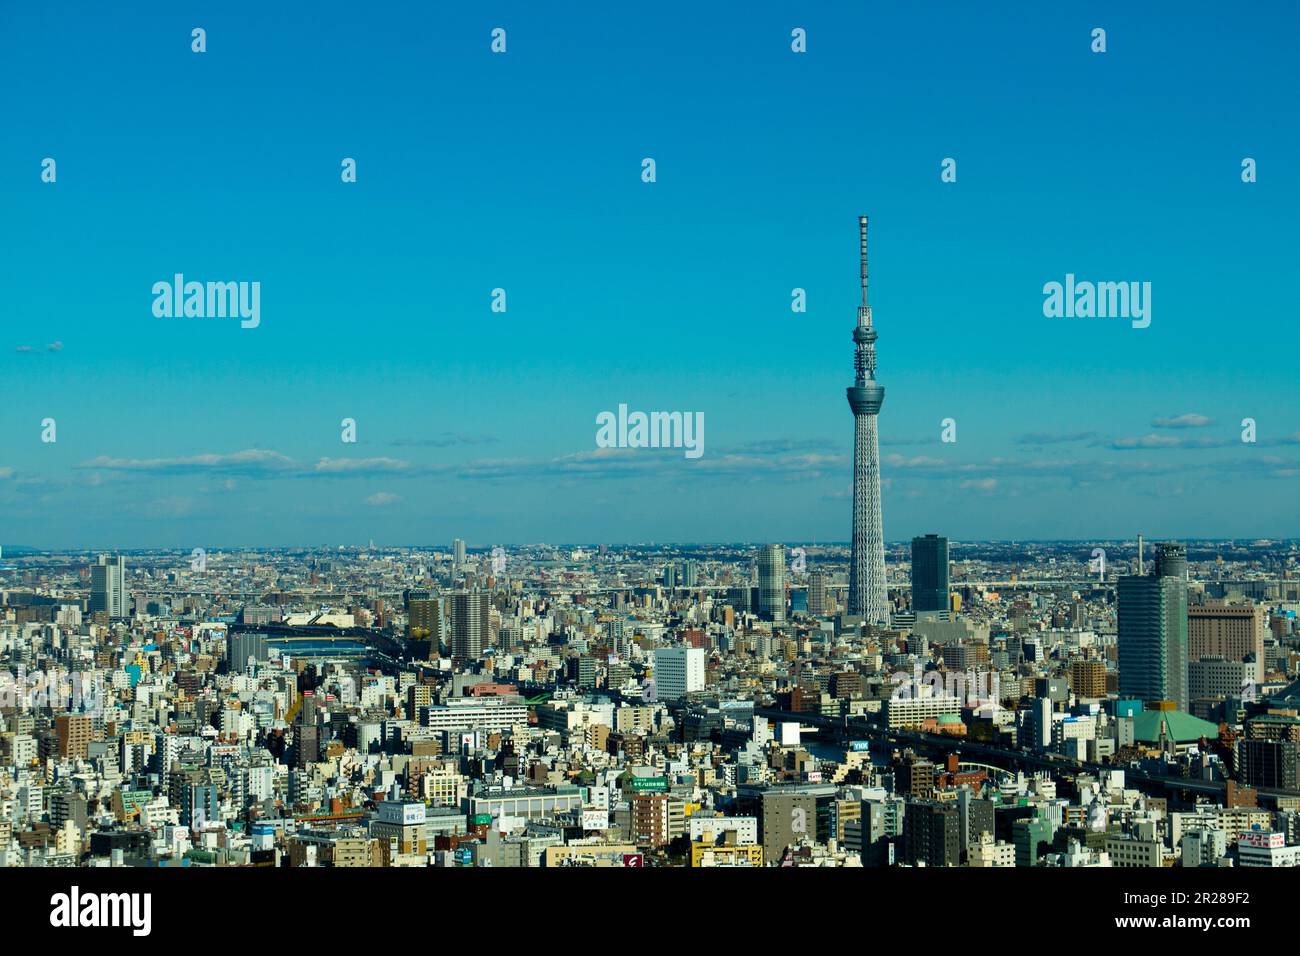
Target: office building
930, 573
1127, 851
1203, 847
1232, 632
582, 671
307, 733
932, 834
402, 822
1088, 678
1031, 836
787, 819
678, 671
1269, 753
712, 829
486, 714
913, 776
199, 805
108, 586
244, 648
1264, 848
655, 819
469, 625
1153, 630
1213, 678
530, 803
903, 712
73, 732
771, 582
418, 697
817, 594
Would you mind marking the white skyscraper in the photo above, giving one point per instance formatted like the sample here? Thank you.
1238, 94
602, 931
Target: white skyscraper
108, 585
678, 671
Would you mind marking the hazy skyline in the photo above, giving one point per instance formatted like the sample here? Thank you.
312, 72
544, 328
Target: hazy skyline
479, 171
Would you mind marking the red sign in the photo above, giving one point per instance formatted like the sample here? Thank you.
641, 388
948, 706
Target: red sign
633, 859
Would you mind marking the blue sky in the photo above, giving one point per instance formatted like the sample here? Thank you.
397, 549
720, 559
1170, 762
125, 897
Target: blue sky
522, 171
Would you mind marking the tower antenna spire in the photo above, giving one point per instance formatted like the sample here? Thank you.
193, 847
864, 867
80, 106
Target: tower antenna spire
862, 230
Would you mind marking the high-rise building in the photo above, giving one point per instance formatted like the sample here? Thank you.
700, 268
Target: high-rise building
771, 582
469, 624
1088, 678
868, 594
670, 575
458, 554
1233, 632
787, 819
1152, 635
1029, 835
73, 732
424, 620
678, 671
614, 632
651, 819
913, 776
418, 697
1269, 753
582, 671
930, 573
932, 833
199, 805
690, 573
108, 585
245, 646
817, 593
307, 733
1214, 679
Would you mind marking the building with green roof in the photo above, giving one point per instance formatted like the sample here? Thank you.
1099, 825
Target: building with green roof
1152, 727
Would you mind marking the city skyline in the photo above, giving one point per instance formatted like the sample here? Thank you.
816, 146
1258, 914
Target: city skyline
376, 295
423, 449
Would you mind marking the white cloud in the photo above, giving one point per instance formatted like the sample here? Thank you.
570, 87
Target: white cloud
1189, 420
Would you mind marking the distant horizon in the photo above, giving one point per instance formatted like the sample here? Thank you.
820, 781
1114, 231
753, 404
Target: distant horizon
1149, 540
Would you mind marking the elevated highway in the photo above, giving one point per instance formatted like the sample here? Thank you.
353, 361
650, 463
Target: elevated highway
858, 728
